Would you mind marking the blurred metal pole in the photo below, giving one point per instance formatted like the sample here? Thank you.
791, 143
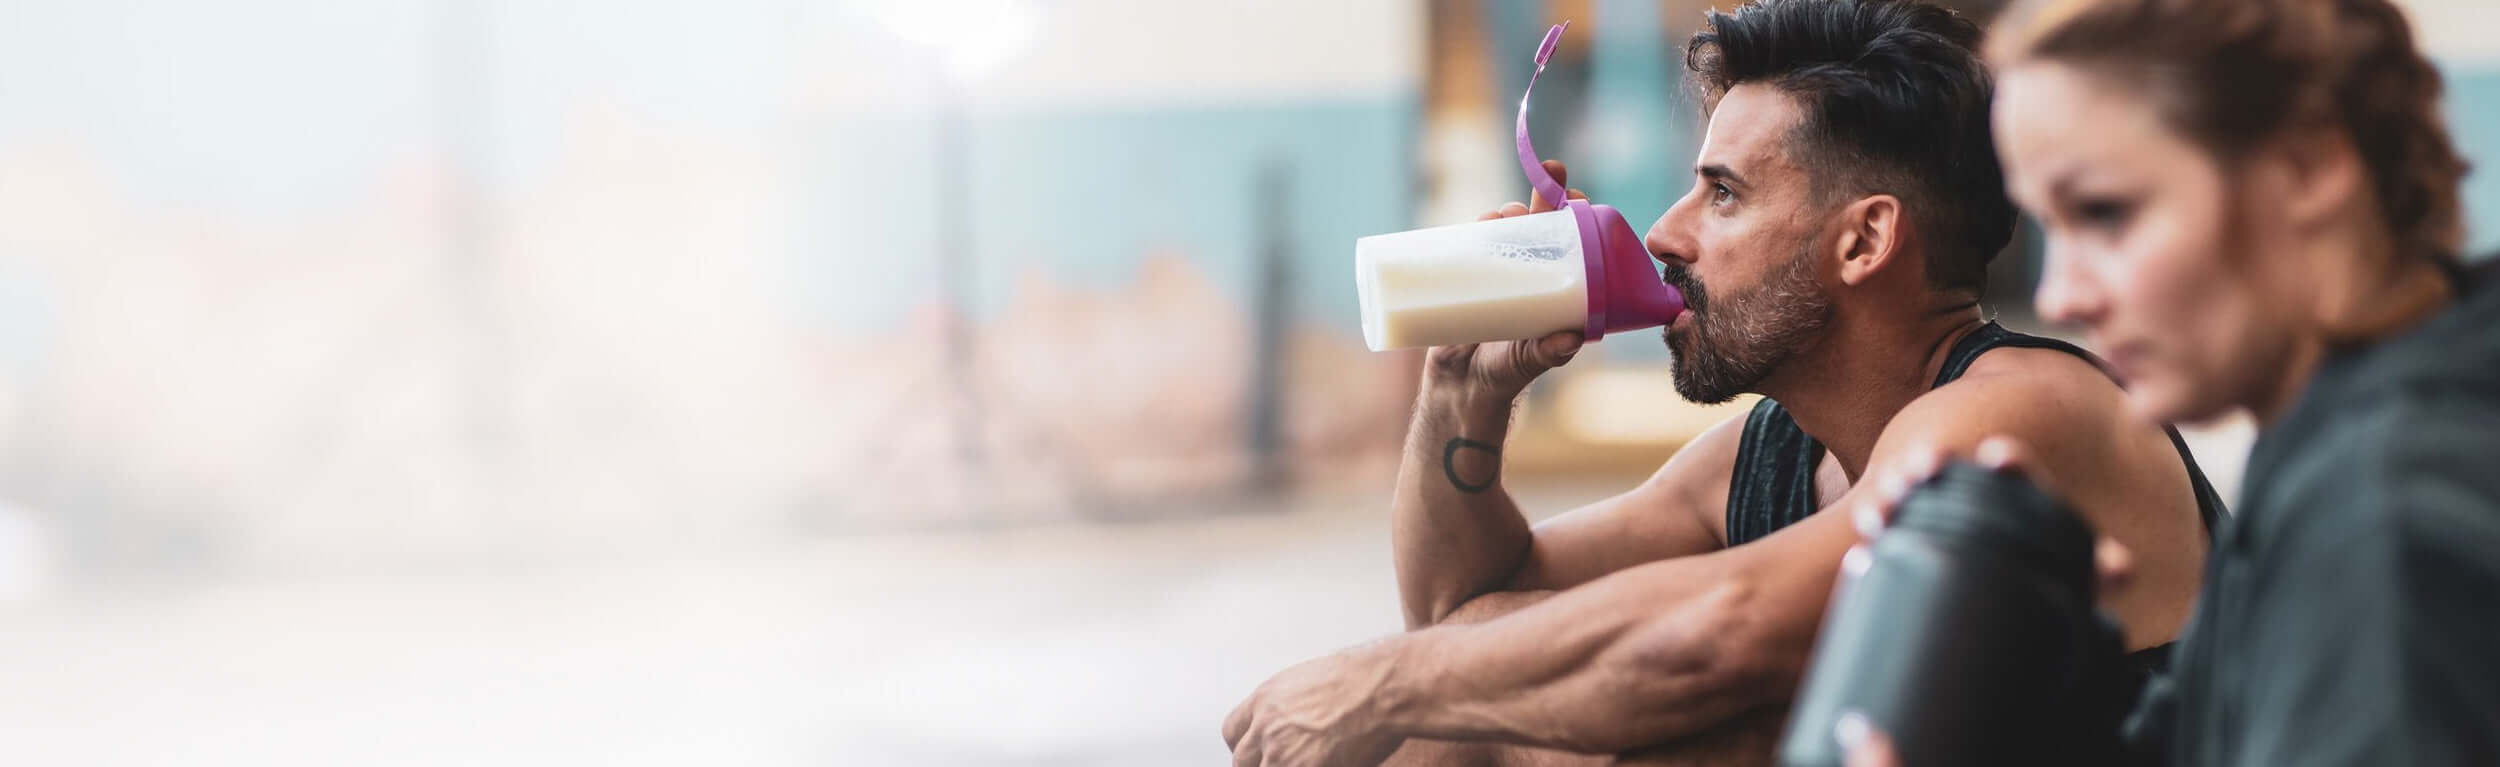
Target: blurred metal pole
955, 277
1270, 306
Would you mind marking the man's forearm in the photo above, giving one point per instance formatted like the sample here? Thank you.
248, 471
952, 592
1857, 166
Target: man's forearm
1456, 532
1494, 604
1650, 654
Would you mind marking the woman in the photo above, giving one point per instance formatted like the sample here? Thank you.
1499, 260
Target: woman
2253, 205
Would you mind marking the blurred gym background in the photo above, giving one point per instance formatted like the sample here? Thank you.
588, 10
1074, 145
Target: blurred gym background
764, 381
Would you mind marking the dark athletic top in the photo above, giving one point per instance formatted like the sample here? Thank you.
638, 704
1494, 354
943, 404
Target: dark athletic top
2351, 609
1773, 486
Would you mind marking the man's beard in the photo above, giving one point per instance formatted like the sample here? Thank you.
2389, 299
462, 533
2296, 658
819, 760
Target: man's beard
1737, 341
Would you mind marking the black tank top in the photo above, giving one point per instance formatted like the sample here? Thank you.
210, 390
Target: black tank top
1773, 486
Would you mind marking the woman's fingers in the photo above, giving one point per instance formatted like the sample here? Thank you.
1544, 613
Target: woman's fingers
1867, 745
2113, 564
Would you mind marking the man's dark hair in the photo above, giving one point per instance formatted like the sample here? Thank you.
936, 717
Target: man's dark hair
1895, 102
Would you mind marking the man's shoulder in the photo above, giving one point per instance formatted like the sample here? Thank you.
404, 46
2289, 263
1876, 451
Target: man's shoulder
2027, 393
2043, 369
1700, 468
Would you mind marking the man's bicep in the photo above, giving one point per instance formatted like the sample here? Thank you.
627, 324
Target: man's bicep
1669, 515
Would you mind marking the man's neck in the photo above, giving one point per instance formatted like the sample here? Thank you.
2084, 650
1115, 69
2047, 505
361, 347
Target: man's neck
1844, 389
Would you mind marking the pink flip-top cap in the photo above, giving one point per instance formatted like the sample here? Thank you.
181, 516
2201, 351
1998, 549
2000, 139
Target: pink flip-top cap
1625, 291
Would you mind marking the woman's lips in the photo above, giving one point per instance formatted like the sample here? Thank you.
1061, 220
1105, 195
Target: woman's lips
2125, 358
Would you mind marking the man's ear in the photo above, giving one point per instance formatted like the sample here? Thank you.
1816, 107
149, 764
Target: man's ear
1870, 237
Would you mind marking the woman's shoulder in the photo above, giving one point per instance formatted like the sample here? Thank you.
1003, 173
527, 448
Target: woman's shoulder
2418, 469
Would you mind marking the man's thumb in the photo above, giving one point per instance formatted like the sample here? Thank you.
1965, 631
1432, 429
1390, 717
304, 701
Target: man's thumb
1554, 350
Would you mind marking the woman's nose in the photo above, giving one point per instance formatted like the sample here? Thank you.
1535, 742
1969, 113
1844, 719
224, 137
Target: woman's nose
2068, 292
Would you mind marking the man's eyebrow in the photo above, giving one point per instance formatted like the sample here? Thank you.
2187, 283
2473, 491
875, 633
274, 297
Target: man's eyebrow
1717, 172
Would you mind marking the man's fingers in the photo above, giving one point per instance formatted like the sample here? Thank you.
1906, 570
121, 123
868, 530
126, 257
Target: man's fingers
1249, 753
1237, 724
1450, 362
1574, 194
1557, 348
1530, 359
1562, 176
1510, 209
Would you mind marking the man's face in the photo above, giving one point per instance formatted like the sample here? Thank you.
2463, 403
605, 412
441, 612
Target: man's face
1741, 247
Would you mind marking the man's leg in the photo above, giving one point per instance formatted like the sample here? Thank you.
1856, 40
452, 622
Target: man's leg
1746, 741
1418, 753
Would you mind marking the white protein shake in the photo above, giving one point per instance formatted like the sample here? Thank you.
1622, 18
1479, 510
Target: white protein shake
1518, 277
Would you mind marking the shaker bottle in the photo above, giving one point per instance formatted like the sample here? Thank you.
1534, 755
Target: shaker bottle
1579, 266
1969, 636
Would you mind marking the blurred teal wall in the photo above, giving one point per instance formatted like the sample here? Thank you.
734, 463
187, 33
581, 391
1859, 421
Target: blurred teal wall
2474, 113
1083, 196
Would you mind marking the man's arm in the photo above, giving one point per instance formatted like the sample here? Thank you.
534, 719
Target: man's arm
1652, 653
1673, 648
1655, 652
1454, 529
1453, 546
1457, 534
1648, 654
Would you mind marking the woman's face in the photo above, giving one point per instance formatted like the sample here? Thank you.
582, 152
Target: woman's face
2147, 248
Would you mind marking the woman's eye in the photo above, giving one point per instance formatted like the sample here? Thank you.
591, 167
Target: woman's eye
2103, 214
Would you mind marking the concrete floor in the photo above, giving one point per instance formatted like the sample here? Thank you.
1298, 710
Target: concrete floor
1077, 645
1041, 645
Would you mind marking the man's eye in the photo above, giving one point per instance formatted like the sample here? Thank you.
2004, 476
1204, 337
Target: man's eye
1721, 195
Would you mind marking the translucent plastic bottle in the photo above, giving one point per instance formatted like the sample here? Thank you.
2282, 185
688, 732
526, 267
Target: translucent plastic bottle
1515, 277
1580, 267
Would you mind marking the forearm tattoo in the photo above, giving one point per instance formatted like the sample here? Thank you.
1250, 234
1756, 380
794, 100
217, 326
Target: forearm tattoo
1449, 464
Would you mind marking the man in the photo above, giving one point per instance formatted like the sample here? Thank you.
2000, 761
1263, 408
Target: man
1846, 203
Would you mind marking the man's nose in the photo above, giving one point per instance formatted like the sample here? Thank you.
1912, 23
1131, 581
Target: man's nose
1665, 240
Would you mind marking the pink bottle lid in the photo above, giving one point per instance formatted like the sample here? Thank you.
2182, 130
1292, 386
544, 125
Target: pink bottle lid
1625, 291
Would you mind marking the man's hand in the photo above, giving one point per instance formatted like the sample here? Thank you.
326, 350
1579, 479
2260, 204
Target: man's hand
1500, 370
1497, 371
1322, 713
